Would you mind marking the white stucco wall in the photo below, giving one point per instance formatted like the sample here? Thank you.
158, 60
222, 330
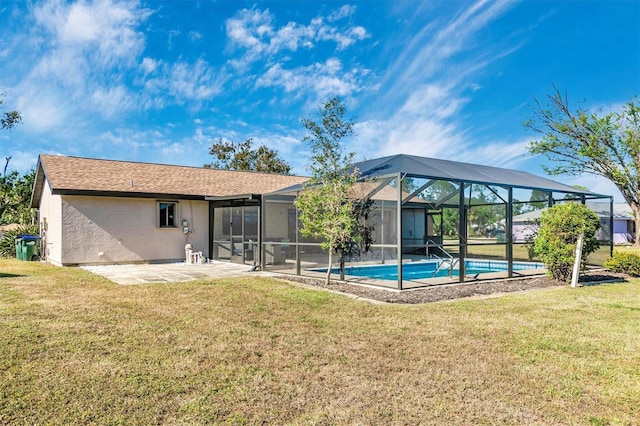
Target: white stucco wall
277, 222
521, 231
622, 231
121, 230
413, 227
50, 212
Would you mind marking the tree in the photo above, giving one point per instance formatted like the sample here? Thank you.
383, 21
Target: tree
15, 190
15, 196
9, 119
538, 200
326, 210
242, 156
560, 228
579, 141
485, 211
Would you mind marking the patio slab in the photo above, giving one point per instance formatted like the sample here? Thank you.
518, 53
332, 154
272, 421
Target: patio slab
167, 272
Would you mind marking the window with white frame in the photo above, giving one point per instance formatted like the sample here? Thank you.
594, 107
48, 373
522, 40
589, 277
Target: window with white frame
167, 214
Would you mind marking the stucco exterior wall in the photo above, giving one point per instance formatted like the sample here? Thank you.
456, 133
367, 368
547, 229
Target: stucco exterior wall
521, 231
277, 225
50, 211
622, 231
122, 230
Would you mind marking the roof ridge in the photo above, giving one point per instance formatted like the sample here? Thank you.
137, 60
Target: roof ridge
144, 163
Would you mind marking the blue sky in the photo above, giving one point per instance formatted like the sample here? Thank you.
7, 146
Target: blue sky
160, 81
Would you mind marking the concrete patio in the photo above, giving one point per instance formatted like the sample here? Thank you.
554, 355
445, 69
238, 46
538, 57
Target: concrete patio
167, 272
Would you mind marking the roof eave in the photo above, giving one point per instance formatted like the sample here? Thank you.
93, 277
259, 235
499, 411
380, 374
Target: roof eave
233, 197
127, 194
38, 185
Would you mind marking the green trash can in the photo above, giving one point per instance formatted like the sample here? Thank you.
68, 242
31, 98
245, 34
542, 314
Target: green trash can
18, 241
28, 247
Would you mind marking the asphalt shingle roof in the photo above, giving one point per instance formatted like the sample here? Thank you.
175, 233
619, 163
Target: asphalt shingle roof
86, 175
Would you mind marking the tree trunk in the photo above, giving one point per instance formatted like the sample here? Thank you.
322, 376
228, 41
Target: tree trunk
636, 213
328, 278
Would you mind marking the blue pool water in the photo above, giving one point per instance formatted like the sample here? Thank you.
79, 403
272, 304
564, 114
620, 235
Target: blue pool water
429, 269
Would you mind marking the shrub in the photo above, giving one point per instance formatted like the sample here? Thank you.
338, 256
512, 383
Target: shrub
7, 242
530, 238
560, 227
628, 263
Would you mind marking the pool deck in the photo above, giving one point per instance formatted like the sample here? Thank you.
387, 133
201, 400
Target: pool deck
181, 272
167, 272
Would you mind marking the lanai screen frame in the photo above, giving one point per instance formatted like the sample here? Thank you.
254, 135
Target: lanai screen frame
398, 168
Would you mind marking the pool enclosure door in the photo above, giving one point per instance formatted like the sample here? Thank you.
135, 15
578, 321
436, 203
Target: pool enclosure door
235, 232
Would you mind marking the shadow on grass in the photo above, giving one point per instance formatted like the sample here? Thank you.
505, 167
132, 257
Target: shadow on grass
3, 275
602, 279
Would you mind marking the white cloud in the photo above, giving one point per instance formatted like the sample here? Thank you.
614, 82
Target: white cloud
90, 62
80, 25
247, 27
182, 81
149, 65
255, 32
429, 53
103, 31
193, 82
195, 36
83, 49
111, 101
344, 12
42, 111
596, 184
425, 91
496, 153
323, 79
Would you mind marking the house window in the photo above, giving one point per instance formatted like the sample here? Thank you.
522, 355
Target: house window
167, 214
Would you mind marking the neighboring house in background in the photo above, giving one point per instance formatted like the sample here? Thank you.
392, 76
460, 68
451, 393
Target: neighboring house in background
524, 225
623, 223
102, 211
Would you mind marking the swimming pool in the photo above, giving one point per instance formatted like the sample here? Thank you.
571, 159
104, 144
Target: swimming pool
430, 269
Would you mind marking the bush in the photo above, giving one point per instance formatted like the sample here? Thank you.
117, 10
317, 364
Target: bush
560, 227
628, 263
7, 242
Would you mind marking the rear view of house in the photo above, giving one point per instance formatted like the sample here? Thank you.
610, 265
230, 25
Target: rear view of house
424, 219
102, 211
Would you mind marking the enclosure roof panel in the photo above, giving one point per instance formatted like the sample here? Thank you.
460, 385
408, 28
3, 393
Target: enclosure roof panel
433, 168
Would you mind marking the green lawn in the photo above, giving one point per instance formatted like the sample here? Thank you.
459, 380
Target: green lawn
75, 348
627, 249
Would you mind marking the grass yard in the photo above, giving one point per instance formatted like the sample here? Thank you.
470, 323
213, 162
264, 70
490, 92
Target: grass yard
627, 249
75, 348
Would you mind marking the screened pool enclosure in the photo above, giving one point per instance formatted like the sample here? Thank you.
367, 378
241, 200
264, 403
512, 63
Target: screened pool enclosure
433, 221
